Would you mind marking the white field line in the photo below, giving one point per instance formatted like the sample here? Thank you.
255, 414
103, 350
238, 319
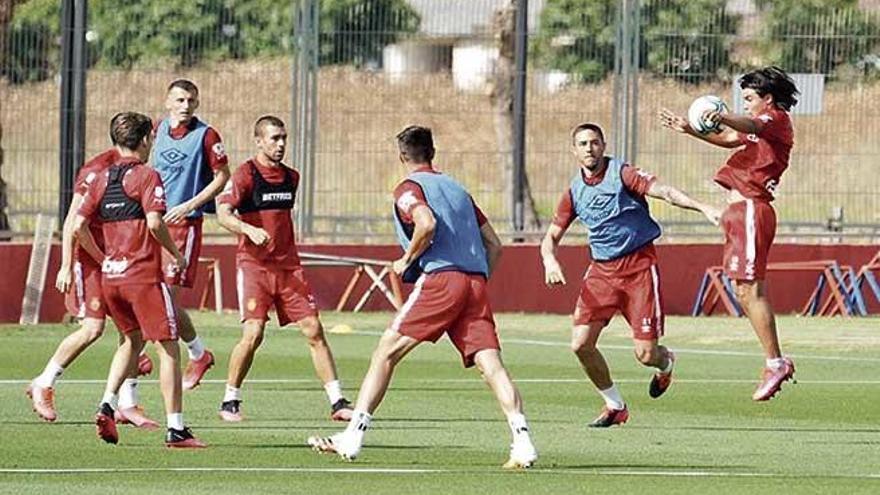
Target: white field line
416, 471
472, 381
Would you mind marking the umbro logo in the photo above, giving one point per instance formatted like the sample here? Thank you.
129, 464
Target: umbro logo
600, 202
173, 155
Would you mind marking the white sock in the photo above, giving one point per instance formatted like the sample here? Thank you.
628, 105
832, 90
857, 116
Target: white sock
612, 398
359, 424
232, 393
47, 378
334, 391
776, 363
195, 348
110, 398
128, 393
519, 428
175, 421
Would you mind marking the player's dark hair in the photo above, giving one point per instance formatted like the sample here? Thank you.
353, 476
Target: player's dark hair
128, 129
774, 81
266, 120
588, 126
184, 84
416, 144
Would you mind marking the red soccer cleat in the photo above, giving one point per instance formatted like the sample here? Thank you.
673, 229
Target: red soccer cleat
182, 439
145, 364
196, 370
135, 416
43, 402
610, 417
106, 425
773, 379
661, 381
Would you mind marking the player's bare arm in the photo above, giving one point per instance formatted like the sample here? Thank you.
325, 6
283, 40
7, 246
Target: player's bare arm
727, 138
423, 233
159, 231
64, 276
741, 123
180, 212
84, 236
233, 223
492, 244
552, 270
676, 197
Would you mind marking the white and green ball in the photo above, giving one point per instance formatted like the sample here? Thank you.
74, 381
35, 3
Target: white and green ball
699, 107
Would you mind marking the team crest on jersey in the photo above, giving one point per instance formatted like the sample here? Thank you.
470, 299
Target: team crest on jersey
159, 192
173, 155
95, 304
219, 150
251, 304
407, 200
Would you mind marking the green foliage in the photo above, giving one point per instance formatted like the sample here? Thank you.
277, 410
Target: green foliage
820, 36
356, 31
687, 39
33, 52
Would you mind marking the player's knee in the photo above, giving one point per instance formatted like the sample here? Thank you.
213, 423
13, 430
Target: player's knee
312, 330
745, 292
93, 332
252, 336
582, 347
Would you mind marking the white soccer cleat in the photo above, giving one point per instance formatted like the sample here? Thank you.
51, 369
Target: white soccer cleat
340, 443
522, 456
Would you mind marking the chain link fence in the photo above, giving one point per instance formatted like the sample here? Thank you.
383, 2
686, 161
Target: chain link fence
449, 64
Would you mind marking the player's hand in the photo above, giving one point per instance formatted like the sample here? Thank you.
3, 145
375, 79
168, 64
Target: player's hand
399, 266
178, 213
713, 116
712, 213
63, 279
670, 120
258, 236
553, 272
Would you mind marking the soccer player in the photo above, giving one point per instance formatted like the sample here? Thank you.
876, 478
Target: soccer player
763, 140
129, 200
189, 156
447, 238
608, 197
262, 191
79, 277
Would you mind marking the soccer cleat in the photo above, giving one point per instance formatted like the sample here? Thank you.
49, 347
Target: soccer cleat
773, 379
341, 410
196, 370
340, 443
135, 416
145, 364
230, 410
182, 439
42, 401
610, 417
661, 381
522, 456
106, 425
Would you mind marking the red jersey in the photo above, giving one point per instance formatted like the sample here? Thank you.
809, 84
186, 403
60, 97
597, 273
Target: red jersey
756, 169
212, 146
86, 175
635, 181
280, 252
132, 255
408, 194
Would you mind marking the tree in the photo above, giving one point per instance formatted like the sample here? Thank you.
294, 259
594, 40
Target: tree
356, 31
31, 51
6, 9
687, 39
818, 36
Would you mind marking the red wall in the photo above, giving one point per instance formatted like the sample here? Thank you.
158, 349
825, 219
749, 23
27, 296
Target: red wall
518, 284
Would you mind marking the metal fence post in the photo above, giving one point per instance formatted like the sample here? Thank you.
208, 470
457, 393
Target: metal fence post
626, 70
519, 114
74, 16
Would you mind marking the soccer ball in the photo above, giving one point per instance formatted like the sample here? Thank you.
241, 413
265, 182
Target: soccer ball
700, 106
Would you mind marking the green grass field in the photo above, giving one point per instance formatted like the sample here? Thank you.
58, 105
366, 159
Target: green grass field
440, 431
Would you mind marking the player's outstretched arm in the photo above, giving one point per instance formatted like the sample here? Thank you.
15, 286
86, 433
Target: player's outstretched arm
63, 278
727, 138
423, 233
159, 231
552, 270
678, 198
492, 244
233, 223
180, 212
84, 236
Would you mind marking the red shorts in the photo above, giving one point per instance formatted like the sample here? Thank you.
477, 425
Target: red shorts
636, 296
84, 298
259, 289
749, 228
147, 307
454, 303
187, 236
